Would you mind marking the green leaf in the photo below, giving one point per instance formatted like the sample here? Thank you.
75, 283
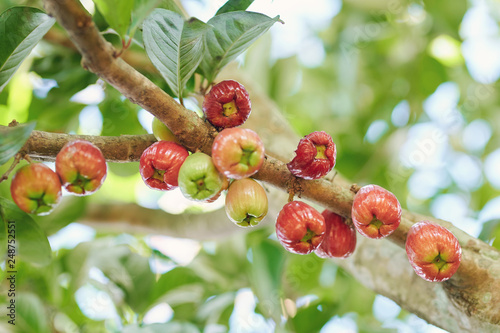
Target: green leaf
32, 314
232, 34
31, 243
234, 5
12, 139
175, 46
67, 211
21, 28
142, 8
265, 276
117, 13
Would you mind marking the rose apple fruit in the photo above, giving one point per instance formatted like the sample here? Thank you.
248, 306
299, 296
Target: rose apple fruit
238, 153
162, 132
36, 189
81, 167
246, 202
299, 227
160, 163
227, 104
199, 180
433, 251
340, 238
315, 156
376, 212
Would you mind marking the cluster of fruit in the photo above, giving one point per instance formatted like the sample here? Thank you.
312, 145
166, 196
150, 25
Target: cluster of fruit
80, 168
237, 154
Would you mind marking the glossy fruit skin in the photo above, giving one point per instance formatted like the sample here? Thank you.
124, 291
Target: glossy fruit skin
227, 104
199, 180
376, 212
340, 238
433, 251
315, 156
246, 202
160, 163
238, 153
81, 167
162, 132
299, 227
36, 189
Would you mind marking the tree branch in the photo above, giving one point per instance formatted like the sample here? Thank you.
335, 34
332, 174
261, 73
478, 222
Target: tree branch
473, 293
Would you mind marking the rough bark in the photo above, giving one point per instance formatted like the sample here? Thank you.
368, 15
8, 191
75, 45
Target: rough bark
470, 301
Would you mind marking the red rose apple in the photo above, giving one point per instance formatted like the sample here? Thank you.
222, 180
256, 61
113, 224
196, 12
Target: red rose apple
315, 156
238, 153
227, 104
376, 212
160, 164
340, 238
246, 202
433, 251
300, 228
36, 189
81, 167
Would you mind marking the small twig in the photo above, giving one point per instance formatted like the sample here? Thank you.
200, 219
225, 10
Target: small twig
17, 158
355, 188
125, 46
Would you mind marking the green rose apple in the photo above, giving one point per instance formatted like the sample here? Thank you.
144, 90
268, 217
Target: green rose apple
246, 202
198, 179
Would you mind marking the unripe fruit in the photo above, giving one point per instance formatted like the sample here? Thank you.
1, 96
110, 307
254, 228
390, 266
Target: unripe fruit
227, 104
433, 251
199, 180
238, 153
160, 164
36, 189
376, 212
246, 202
340, 238
162, 132
315, 157
299, 227
81, 167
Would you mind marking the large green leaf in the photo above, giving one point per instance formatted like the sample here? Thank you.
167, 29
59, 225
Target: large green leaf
117, 13
175, 46
142, 8
21, 28
12, 139
234, 5
31, 243
232, 34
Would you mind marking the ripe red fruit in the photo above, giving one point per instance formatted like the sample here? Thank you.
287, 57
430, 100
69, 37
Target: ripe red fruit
160, 164
246, 202
340, 238
376, 212
227, 104
316, 155
36, 189
433, 251
238, 153
81, 167
300, 228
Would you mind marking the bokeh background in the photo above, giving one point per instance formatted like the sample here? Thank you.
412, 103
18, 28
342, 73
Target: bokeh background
407, 90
